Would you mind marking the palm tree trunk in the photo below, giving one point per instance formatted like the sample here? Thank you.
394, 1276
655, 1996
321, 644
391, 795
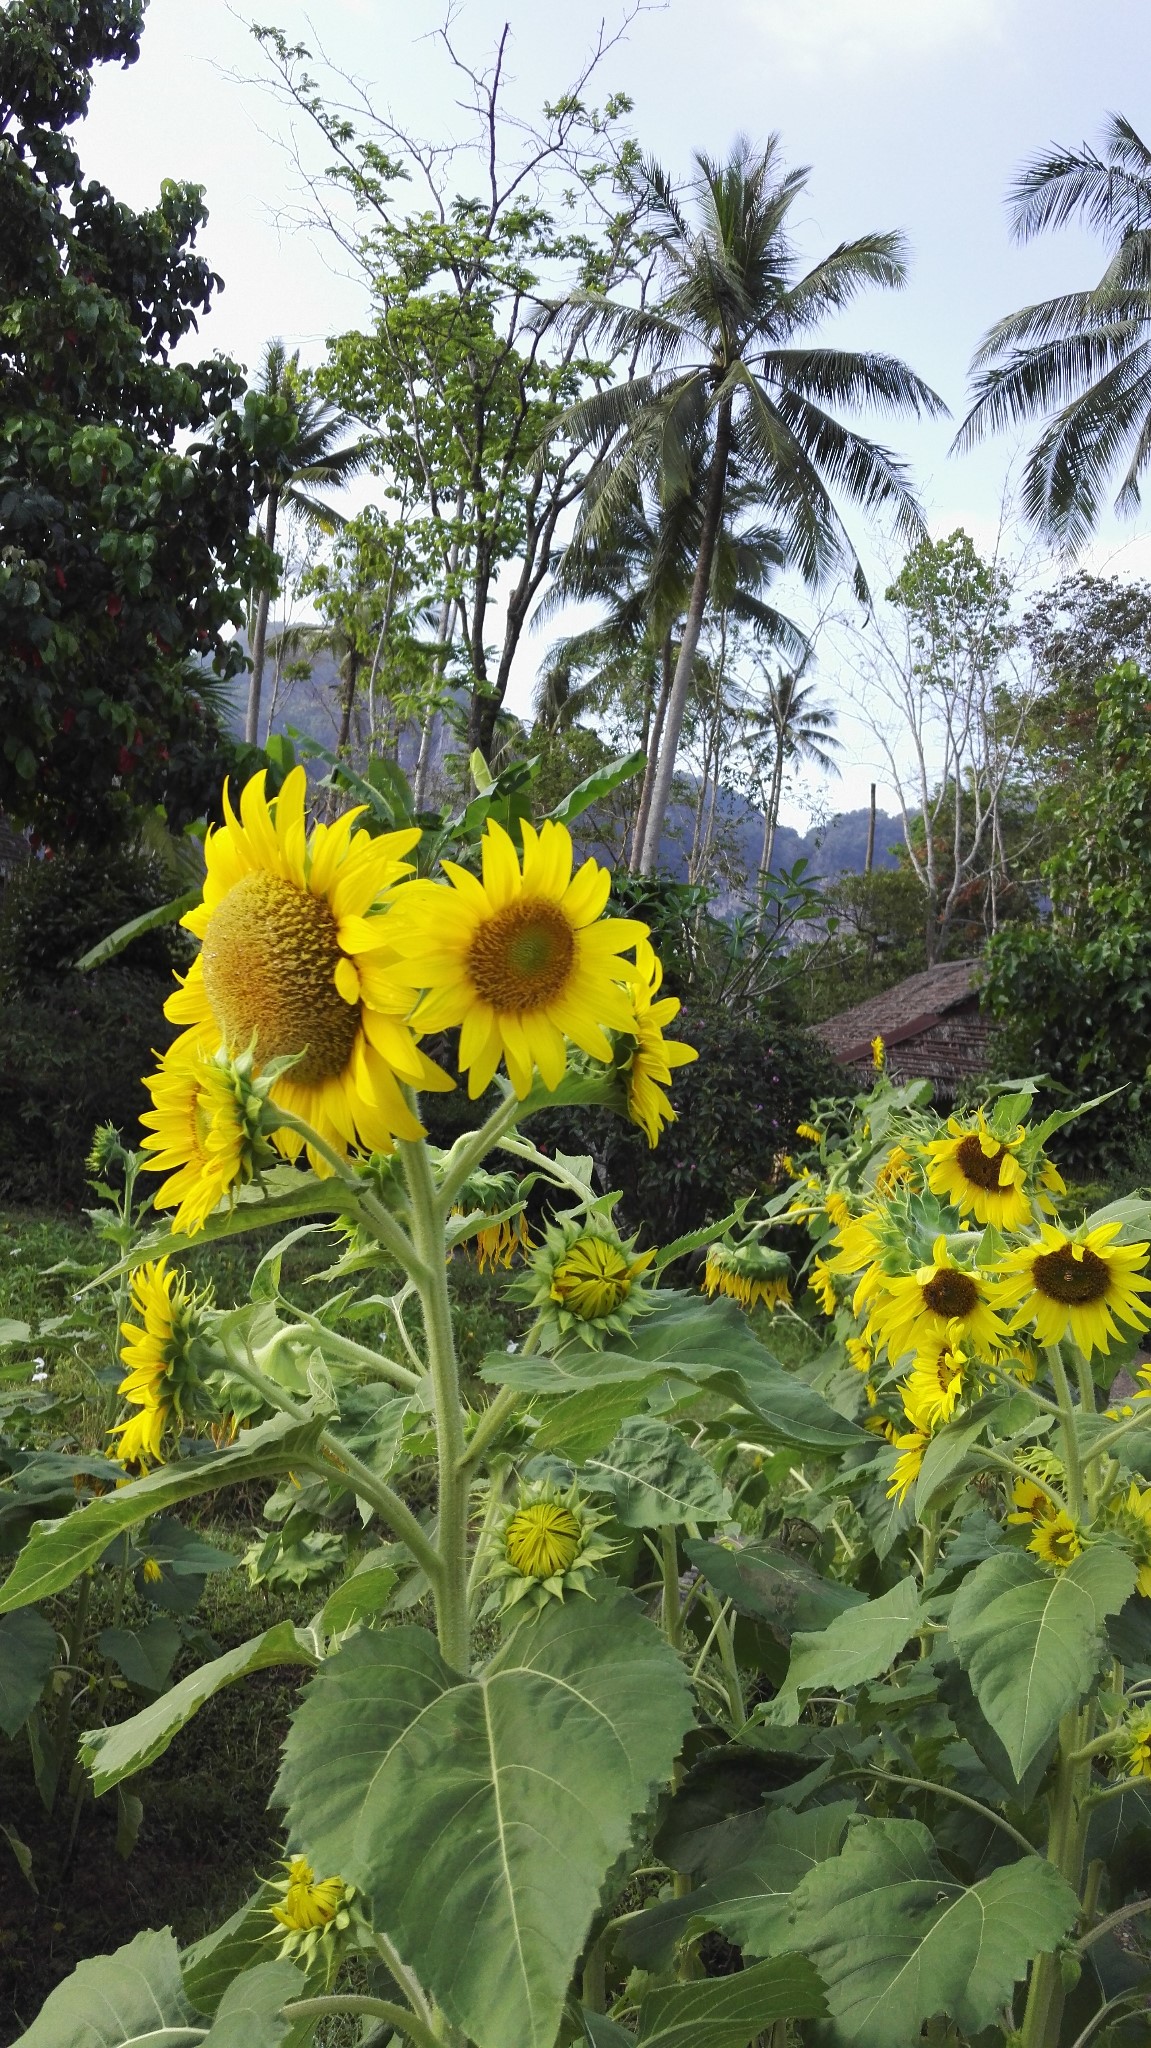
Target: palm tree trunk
652, 743
260, 634
677, 702
770, 827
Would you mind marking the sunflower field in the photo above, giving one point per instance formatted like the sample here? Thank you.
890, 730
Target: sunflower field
763, 1658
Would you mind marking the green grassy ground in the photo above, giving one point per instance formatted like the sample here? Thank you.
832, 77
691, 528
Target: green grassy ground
206, 1833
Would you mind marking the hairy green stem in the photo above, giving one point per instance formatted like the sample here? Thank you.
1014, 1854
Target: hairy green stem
380, 1220
671, 1615
491, 1421
431, 1278
471, 1151
353, 2003
1071, 1462
522, 1148
946, 1792
1113, 1920
361, 1354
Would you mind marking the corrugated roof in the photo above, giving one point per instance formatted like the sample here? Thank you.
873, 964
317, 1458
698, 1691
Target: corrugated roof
904, 1011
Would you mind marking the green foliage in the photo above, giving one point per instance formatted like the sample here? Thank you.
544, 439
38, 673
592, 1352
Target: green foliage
1097, 938
124, 553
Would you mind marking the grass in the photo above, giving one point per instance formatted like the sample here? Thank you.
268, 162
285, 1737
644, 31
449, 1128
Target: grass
206, 1834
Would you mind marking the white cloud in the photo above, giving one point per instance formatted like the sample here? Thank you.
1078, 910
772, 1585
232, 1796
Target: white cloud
856, 35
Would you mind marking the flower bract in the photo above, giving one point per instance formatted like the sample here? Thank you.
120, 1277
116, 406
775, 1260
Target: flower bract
548, 1544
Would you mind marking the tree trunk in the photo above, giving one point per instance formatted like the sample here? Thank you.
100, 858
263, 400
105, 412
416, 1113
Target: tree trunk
353, 661
770, 824
869, 862
677, 702
653, 746
260, 633
428, 729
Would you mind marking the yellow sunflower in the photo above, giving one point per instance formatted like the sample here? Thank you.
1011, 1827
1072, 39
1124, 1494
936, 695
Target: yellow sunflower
933, 1389
160, 1379
650, 1069
911, 1446
203, 1132
822, 1285
895, 1173
1080, 1282
980, 1175
940, 1303
548, 1545
1056, 1540
296, 961
1132, 1518
520, 961
749, 1273
1137, 1745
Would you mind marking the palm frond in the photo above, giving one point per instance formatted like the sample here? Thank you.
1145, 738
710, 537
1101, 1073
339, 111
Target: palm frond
853, 377
831, 284
1034, 380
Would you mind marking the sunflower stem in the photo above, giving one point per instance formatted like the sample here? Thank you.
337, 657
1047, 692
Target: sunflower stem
672, 1613
1071, 1461
451, 1585
471, 1151
404, 2022
361, 1354
491, 1421
522, 1148
379, 1220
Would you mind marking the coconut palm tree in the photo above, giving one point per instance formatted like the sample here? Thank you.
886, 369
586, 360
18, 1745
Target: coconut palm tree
800, 731
641, 568
726, 342
313, 461
1081, 361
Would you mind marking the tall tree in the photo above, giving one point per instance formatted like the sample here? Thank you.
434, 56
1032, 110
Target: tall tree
800, 731
725, 339
314, 456
1081, 361
464, 367
640, 566
126, 480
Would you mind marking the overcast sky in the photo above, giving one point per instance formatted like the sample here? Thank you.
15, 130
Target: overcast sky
912, 113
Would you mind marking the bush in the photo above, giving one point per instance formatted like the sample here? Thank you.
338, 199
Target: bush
736, 1110
74, 1046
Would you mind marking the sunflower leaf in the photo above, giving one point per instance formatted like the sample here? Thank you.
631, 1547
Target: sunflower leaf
1031, 1642
116, 2001
654, 1477
728, 2012
27, 1655
57, 1552
859, 1644
896, 1941
773, 1585
480, 1816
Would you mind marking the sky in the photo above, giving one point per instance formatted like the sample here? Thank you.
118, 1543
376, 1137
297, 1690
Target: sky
912, 114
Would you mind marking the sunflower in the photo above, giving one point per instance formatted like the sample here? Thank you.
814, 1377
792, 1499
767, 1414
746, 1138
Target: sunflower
548, 1542
161, 1381
314, 1914
748, 1272
895, 1173
940, 1302
838, 1212
1137, 1745
1081, 1283
911, 1446
1132, 1518
503, 1229
520, 961
296, 962
584, 1280
859, 1353
933, 1389
822, 1285
205, 1132
809, 1132
650, 1069
1057, 1540
980, 1174
878, 1054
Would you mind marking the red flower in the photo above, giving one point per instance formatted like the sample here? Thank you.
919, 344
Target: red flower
61, 579
68, 720
114, 606
125, 761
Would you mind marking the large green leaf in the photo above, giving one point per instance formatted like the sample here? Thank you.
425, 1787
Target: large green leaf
579, 1424
115, 1753
1031, 1641
728, 2012
773, 1585
27, 1655
249, 2013
594, 788
948, 1449
211, 1964
749, 1898
481, 1815
654, 1477
699, 1343
135, 1996
859, 1644
148, 921
897, 1941
57, 1552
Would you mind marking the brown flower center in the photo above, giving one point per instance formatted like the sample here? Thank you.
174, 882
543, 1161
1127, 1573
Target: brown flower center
521, 958
951, 1294
977, 1166
269, 961
1063, 1277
